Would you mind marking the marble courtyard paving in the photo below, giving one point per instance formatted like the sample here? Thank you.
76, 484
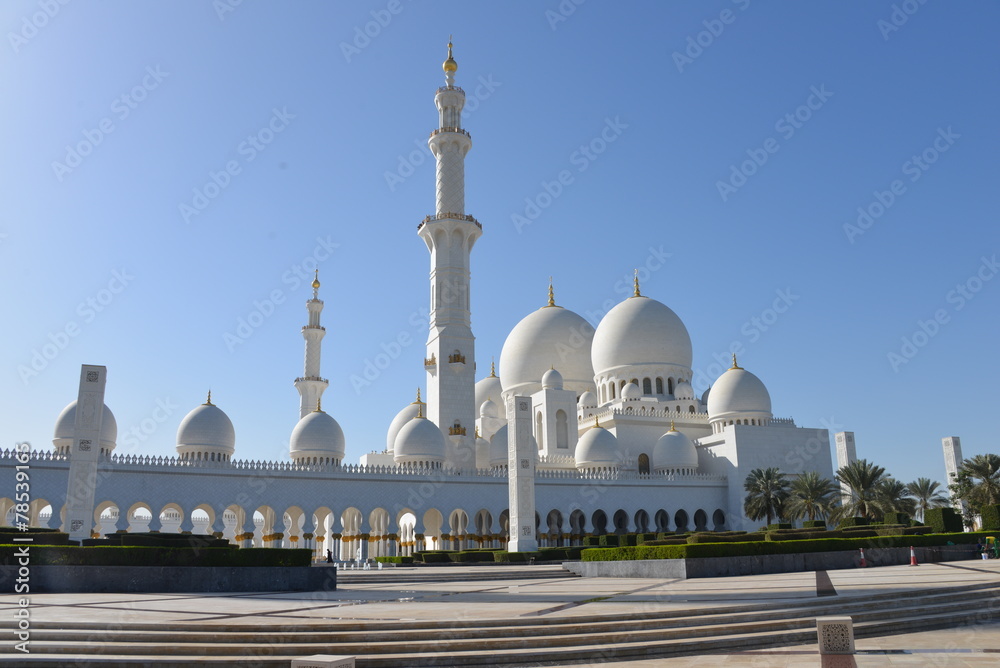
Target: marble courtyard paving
464, 594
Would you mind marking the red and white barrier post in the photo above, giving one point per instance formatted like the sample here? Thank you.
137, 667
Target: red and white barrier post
863, 563
913, 557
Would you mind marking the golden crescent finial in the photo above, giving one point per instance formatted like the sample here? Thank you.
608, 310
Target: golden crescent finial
552, 294
735, 365
597, 422
319, 405
672, 426
635, 282
315, 283
418, 401
493, 368
208, 402
450, 66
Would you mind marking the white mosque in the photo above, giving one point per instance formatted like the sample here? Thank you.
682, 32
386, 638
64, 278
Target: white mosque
623, 443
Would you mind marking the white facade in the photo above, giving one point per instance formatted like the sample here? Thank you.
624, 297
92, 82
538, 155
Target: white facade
620, 441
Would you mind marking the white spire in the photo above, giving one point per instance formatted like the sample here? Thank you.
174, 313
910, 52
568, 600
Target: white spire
310, 385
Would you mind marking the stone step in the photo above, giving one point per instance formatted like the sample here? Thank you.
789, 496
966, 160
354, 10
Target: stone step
492, 640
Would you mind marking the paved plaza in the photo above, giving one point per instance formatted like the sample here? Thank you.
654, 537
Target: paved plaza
482, 593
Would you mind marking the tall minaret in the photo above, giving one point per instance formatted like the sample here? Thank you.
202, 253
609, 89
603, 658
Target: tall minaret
310, 385
450, 234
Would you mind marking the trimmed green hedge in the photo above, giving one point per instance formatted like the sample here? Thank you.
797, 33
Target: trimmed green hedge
469, 556
643, 537
502, 557
591, 541
394, 560
943, 520
723, 538
609, 540
70, 555
778, 526
814, 524
896, 518
703, 550
991, 518
38, 536
853, 522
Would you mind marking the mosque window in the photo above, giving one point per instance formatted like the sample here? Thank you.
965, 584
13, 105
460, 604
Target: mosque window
659, 386
643, 463
647, 386
670, 385
539, 431
691, 408
612, 390
562, 430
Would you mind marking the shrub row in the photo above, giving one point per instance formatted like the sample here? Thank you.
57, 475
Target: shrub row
725, 538
38, 536
991, 518
395, 560
70, 555
702, 550
943, 520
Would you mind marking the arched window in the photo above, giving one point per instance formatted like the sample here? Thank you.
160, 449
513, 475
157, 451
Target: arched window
670, 385
691, 408
647, 386
562, 429
612, 390
659, 386
643, 463
539, 431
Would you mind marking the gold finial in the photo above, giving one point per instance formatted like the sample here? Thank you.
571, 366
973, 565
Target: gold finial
319, 405
735, 365
493, 368
420, 409
635, 281
208, 402
597, 422
672, 426
450, 66
316, 281
552, 294
418, 401
476, 432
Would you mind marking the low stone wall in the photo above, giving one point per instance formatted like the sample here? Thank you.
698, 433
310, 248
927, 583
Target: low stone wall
713, 567
169, 579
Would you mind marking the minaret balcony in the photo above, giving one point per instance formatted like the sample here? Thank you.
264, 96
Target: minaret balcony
430, 361
457, 358
451, 129
444, 89
448, 216
457, 430
305, 327
313, 378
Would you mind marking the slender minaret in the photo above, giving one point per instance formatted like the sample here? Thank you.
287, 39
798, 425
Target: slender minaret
846, 454
952, 446
450, 234
311, 385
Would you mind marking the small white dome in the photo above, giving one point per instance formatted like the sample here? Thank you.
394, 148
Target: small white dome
419, 442
402, 417
739, 393
317, 435
588, 400
206, 429
684, 391
597, 448
674, 451
640, 331
541, 339
498, 448
66, 425
704, 397
631, 392
552, 380
486, 388
489, 409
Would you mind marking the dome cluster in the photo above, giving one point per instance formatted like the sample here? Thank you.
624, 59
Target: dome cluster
65, 430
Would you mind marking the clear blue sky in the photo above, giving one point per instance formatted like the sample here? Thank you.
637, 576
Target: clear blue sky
198, 81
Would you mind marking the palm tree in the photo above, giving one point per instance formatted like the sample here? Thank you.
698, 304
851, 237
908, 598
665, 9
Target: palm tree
812, 496
926, 495
862, 478
767, 490
892, 496
978, 481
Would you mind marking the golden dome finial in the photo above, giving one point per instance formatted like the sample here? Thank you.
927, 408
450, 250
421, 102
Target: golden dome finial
735, 365
315, 282
420, 409
672, 426
319, 405
493, 368
597, 422
552, 294
450, 66
635, 282
418, 401
208, 402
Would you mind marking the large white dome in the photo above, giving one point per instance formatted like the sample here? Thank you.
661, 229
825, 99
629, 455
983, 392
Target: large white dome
419, 442
550, 337
498, 448
66, 424
206, 429
402, 417
739, 394
597, 448
640, 331
674, 452
318, 435
488, 388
